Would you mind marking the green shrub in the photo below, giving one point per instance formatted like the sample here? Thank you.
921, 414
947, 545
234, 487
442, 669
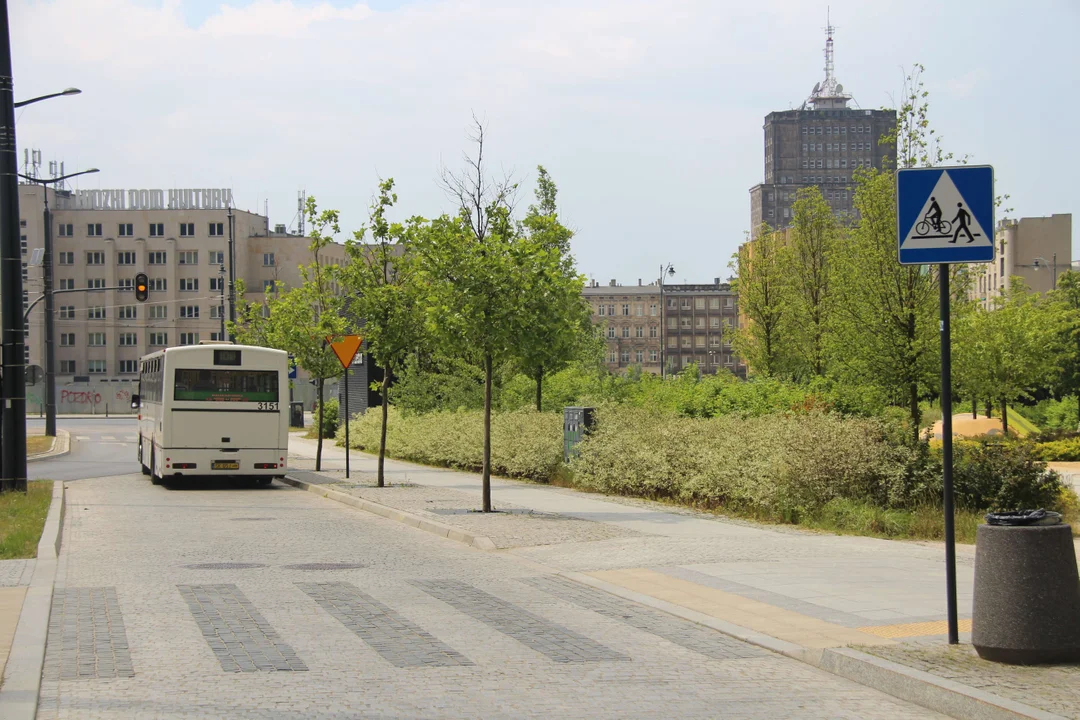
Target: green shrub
524, 443
998, 474
1065, 449
330, 418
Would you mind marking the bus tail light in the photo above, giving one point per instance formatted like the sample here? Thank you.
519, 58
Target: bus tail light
266, 466
184, 466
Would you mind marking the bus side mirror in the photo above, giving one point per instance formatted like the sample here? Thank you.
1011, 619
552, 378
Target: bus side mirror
135, 402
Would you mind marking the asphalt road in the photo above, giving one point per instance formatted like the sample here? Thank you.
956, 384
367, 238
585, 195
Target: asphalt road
199, 600
100, 447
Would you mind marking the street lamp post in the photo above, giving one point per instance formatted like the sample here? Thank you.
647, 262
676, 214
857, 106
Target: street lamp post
221, 299
670, 270
31, 101
1035, 264
47, 277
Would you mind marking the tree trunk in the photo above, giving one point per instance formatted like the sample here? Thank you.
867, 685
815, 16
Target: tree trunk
539, 390
1004, 418
989, 409
387, 372
319, 425
974, 408
486, 474
916, 416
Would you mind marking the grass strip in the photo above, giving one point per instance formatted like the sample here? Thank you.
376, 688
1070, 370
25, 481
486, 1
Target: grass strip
22, 517
38, 444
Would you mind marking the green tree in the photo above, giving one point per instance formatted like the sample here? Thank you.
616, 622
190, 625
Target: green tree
556, 321
474, 266
1067, 295
762, 298
1012, 345
381, 281
298, 320
808, 260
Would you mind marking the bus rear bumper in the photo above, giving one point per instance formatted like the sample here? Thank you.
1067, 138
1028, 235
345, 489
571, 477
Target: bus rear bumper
209, 463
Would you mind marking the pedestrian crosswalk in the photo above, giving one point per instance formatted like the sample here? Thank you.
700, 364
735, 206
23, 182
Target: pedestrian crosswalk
107, 438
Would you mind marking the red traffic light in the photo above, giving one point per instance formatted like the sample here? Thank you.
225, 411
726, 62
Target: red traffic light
142, 287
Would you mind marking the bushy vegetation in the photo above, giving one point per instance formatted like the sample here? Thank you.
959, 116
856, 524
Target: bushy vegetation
1051, 414
330, 418
524, 443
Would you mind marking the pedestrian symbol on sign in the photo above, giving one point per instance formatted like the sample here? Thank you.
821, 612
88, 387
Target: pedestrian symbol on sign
930, 231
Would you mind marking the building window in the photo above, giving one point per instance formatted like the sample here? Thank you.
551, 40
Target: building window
67, 339
125, 257
686, 303
613, 356
189, 257
189, 312
66, 258
125, 230
611, 310
672, 342
189, 338
639, 309
67, 312
95, 283
672, 304
601, 310
727, 302
652, 310
268, 286
217, 257
687, 359
699, 341
95, 258
714, 303
158, 312
217, 229
95, 339
686, 341
96, 367
770, 212
626, 331
626, 356
217, 284
215, 313
684, 323
126, 284
652, 331
611, 331
699, 303
158, 285
654, 356
626, 309
714, 322
159, 339
268, 259
639, 356
699, 323
714, 341
93, 229
65, 230
127, 312
187, 229
157, 229
158, 257
67, 367
129, 339
129, 367
216, 336
673, 323
67, 283
95, 313
639, 331
189, 284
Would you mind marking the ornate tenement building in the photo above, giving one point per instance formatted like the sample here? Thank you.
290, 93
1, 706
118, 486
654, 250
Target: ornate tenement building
821, 143
677, 325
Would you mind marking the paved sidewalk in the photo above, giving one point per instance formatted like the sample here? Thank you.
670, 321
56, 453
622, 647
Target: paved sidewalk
14, 579
814, 590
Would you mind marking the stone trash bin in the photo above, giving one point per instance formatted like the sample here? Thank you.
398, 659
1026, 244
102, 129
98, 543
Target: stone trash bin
1027, 593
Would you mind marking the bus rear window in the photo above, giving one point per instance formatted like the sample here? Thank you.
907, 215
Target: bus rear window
226, 385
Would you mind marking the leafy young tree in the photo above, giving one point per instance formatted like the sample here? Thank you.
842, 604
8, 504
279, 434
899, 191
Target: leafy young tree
808, 269
301, 318
556, 320
474, 266
1067, 295
762, 298
381, 281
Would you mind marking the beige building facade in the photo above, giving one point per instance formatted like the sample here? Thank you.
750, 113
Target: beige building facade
673, 327
1036, 249
101, 333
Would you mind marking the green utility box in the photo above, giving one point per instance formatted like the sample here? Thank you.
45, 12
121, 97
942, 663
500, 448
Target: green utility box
577, 422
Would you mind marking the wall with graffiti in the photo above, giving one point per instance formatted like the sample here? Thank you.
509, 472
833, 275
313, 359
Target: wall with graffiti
93, 398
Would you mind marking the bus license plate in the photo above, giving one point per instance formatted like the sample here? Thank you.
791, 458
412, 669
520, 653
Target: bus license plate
225, 465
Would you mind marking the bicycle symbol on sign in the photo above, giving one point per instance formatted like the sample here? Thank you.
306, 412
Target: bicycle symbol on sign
934, 226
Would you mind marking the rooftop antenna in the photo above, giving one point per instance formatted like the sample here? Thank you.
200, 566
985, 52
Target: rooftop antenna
828, 93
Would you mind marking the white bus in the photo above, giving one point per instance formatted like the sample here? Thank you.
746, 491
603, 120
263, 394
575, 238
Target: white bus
213, 410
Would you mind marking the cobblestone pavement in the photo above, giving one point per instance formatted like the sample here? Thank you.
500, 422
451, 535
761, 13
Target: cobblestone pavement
86, 636
14, 573
416, 597
1055, 689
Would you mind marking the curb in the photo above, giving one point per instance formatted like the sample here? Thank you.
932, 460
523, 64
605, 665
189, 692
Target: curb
436, 528
921, 688
22, 675
61, 446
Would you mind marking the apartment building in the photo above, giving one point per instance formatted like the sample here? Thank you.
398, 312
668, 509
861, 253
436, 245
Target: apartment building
101, 239
1035, 249
673, 327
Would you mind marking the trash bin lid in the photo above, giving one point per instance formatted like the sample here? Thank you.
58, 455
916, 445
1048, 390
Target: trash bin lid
1018, 518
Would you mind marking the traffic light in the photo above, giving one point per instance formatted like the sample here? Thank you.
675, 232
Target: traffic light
142, 287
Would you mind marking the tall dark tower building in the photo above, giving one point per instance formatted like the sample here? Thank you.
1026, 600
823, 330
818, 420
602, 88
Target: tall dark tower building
821, 144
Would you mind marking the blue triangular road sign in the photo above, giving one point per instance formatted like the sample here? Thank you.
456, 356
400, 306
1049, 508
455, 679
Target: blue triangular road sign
945, 215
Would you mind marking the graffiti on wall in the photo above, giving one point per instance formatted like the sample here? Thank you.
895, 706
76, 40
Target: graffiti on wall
80, 397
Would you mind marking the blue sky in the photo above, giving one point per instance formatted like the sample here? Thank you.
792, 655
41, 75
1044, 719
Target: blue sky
648, 114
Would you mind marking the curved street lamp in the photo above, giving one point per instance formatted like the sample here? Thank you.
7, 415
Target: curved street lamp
47, 276
668, 269
31, 101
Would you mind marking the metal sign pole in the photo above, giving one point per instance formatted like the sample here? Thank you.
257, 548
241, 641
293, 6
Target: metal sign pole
947, 452
346, 423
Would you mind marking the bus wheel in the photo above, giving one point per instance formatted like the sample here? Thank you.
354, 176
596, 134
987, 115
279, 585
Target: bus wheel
264, 481
154, 477
145, 470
